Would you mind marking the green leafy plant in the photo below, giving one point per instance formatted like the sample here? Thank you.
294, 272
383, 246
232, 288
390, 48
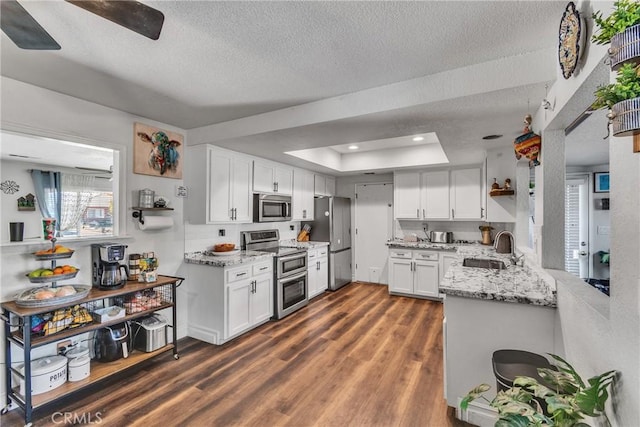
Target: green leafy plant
626, 13
627, 86
568, 403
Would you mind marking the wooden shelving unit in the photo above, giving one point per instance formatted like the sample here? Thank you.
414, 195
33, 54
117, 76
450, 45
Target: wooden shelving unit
17, 321
501, 192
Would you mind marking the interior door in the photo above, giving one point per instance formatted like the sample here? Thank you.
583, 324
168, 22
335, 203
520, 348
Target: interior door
373, 224
576, 228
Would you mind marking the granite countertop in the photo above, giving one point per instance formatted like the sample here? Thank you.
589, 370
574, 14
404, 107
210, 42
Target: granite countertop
241, 257
452, 247
519, 284
302, 245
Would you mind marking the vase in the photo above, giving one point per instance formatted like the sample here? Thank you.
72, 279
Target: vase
625, 117
625, 47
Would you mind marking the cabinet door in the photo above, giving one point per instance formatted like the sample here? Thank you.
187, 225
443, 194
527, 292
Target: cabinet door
262, 299
312, 279
445, 263
330, 186
435, 195
302, 199
401, 275
406, 195
263, 177
308, 210
319, 185
238, 307
426, 278
466, 194
220, 167
322, 274
284, 180
241, 189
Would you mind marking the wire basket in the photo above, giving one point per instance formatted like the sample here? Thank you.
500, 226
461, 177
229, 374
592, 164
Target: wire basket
148, 299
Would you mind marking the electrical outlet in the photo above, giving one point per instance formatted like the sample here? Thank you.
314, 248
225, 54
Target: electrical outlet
292, 227
221, 232
62, 345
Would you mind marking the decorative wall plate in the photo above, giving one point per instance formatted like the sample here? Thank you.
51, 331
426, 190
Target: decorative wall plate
569, 40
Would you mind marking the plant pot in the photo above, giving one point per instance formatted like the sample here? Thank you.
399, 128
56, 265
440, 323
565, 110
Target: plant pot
625, 117
625, 47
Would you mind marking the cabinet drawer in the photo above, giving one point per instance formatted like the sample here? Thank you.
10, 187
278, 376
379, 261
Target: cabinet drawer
398, 253
262, 267
426, 255
323, 251
239, 273
311, 254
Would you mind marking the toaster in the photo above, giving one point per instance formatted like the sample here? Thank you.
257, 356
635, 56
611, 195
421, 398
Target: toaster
441, 237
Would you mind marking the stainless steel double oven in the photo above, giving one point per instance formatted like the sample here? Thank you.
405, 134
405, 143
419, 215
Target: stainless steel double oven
290, 270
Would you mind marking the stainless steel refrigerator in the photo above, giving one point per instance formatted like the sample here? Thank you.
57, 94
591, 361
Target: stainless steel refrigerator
332, 223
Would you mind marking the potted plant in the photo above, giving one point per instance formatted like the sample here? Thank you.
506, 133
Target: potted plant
569, 402
622, 98
622, 30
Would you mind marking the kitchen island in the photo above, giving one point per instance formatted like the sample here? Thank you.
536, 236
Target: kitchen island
491, 309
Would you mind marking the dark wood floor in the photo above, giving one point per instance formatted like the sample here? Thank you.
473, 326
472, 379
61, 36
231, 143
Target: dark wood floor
356, 357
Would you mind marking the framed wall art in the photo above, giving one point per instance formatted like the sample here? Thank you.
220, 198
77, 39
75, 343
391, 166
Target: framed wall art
601, 182
157, 152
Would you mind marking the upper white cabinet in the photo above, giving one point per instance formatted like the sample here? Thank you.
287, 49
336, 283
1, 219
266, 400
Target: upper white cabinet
271, 177
466, 194
303, 191
324, 185
224, 195
435, 195
406, 195
455, 194
501, 164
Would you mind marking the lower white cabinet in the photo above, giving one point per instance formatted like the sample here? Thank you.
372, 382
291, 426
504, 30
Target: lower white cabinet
317, 271
414, 272
225, 302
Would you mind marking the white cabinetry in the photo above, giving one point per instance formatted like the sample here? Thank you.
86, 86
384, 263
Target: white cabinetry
317, 270
435, 195
219, 183
303, 190
228, 301
414, 272
271, 177
324, 185
406, 195
466, 194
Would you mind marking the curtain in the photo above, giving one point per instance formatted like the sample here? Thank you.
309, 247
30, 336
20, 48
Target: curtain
48, 191
77, 192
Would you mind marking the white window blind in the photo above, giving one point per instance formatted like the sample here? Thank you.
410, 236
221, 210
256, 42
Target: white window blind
572, 228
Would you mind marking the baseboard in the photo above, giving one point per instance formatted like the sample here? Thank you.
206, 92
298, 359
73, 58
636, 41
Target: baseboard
211, 336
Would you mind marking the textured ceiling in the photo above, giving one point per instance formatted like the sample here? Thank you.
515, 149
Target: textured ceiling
221, 61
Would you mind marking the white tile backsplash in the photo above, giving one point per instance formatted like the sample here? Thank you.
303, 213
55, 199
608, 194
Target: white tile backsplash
198, 237
467, 230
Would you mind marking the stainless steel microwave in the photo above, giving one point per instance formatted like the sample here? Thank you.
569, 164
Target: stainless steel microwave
271, 208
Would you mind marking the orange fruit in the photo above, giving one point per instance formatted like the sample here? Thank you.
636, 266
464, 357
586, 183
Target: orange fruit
66, 268
58, 270
72, 269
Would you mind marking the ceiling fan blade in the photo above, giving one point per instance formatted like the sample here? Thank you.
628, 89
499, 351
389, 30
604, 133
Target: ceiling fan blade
22, 29
133, 15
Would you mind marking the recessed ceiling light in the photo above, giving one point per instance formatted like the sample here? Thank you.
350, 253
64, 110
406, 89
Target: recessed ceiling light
488, 137
418, 138
353, 147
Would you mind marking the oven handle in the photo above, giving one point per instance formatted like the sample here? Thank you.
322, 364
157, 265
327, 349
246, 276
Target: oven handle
291, 278
290, 257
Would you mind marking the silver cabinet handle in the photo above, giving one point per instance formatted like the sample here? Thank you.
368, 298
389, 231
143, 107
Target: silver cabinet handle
453, 214
424, 215
235, 213
304, 213
231, 213
276, 187
263, 268
241, 274
481, 212
418, 213
318, 265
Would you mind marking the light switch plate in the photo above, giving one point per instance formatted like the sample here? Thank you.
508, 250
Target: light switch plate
181, 191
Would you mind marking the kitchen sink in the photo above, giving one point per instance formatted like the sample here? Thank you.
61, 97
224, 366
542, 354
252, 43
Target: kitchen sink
483, 263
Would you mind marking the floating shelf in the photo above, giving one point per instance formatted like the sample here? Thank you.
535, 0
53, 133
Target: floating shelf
138, 212
501, 192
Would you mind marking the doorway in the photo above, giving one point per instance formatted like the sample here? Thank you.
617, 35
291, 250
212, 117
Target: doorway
373, 228
576, 230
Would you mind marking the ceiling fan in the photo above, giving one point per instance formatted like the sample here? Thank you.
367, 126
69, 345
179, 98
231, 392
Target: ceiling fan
27, 33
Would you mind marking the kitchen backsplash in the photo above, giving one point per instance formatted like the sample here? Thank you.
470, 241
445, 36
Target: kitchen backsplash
201, 237
461, 230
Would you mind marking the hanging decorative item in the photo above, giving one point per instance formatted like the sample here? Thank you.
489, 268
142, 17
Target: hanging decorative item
9, 187
570, 39
528, 144
157, 152
27, 203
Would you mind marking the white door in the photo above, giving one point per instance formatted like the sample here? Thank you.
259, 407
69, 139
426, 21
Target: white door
435, 195
241, 189
425, 278
401, 275
373, 223
238, 309
262, 299
220, 166
576, 228
466, 193
406, 195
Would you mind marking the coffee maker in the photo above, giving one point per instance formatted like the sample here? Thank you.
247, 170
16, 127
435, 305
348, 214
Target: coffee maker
105, 262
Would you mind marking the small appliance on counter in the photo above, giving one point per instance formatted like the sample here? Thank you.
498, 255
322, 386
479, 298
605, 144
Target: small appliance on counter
486, 234
149, 333
106, 267
111, 343
47, 373
441, 237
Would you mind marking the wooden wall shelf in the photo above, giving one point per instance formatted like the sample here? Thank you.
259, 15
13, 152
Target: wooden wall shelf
501, 192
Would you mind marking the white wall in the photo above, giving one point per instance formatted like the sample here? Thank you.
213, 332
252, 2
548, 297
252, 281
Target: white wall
34, 110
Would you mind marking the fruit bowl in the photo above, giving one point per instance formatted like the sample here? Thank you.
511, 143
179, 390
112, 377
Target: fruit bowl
28, 297
52, 277
48, 257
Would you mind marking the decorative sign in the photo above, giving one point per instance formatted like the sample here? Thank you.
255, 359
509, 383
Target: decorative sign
569, 40
9, 187
157, 152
